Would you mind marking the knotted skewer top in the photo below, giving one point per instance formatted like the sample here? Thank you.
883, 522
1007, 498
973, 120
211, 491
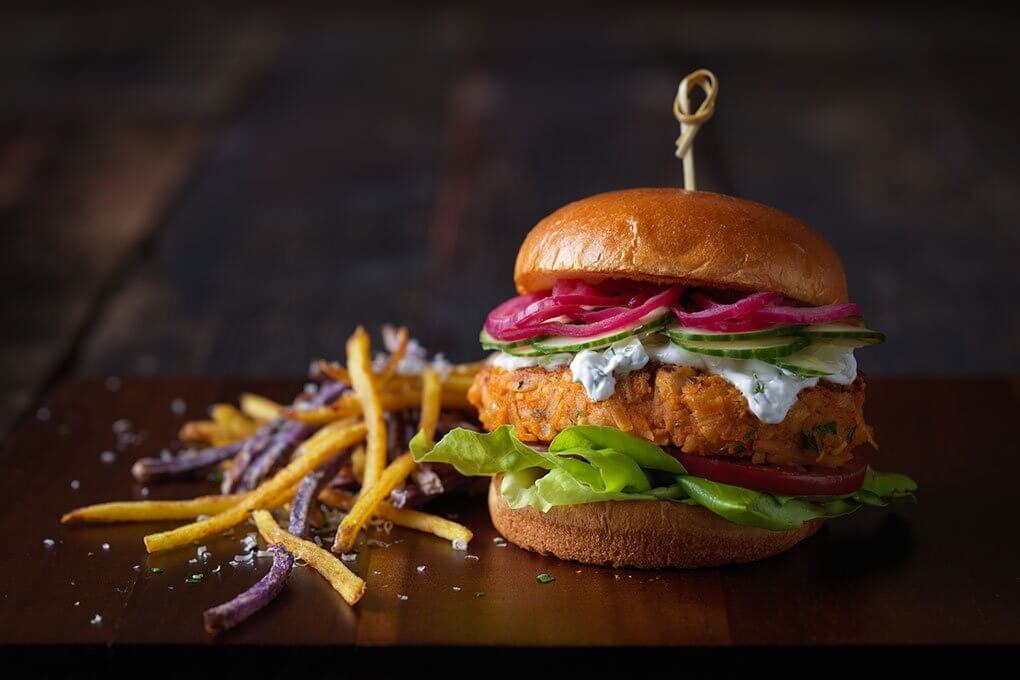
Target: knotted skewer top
690, 123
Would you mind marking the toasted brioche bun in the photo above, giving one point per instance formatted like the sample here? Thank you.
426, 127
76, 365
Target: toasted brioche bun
644, 534
694, 238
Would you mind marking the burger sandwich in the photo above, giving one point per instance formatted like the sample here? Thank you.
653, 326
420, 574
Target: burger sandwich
674, 386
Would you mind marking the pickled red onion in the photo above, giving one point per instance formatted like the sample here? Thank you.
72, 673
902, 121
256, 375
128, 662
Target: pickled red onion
623, 318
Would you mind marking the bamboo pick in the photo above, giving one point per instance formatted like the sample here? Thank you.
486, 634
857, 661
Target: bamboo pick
690, 123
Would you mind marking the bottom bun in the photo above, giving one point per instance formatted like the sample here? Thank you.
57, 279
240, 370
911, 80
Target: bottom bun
644, 534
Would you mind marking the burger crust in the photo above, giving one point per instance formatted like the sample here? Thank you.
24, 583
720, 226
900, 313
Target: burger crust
694, 238
643, 534
699, 413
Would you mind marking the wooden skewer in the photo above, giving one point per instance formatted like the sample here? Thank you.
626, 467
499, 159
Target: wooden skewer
690, 123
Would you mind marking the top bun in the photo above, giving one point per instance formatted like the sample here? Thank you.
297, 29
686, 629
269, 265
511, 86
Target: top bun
694, 238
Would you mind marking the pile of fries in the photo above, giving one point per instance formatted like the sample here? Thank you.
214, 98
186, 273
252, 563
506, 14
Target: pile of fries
352, 426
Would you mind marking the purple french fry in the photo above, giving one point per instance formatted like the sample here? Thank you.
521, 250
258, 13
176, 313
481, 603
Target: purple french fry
229, 614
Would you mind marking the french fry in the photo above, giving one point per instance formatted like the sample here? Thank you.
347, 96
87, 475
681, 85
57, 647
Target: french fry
359, 365
398, 353
358, 463
430, 404
335, 371
206, 432
259, 407
344, 581
348, 406
371, 496
232, 421
402, 517
313, 452
150, 511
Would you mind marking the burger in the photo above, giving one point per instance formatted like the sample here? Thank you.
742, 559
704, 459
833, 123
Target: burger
675, 385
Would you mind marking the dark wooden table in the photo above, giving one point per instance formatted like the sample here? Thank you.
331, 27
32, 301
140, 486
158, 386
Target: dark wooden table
188, 189
943, 572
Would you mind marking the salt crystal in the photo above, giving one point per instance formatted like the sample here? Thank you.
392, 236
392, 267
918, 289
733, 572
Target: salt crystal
421, 568
193, 560
48, 543
216, 570
457, 588
75, 484
77, 603
471, 557
377, 544
233, 563
349, 557
96, 620
137, 567
105, 546
202, 552
144, 491
107, 457
178, 406
264, 553
318, 541
121, 426
459, 544
401, 596
43, 413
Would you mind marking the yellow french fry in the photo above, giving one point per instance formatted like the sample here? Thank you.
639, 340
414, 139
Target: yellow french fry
359, 365
148, 511
259, 407
315, 451
369, 499
431, 402
344, 581
403, 517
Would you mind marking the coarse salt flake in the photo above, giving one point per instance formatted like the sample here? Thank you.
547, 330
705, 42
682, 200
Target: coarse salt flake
459, 544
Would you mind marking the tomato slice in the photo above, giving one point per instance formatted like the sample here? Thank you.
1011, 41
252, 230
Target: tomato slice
779, 479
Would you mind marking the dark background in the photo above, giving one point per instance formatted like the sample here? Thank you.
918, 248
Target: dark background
230, 190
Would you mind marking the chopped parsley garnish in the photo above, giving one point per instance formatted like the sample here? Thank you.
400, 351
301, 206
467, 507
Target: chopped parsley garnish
739, 448
759, 387
479, 594
545, 578
157, 570
749, 434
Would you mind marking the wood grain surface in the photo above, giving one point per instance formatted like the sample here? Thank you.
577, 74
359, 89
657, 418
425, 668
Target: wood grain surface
229, 190
941, 572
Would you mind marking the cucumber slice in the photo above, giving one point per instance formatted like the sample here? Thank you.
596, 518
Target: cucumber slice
489, 342
679, 334
815, 361
653, 321
860, 335
762, 348
524, 351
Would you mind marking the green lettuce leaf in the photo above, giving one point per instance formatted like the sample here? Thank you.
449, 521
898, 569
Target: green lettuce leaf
588, 464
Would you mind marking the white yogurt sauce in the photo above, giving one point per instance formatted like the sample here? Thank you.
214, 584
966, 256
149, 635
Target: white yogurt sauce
597, 371
770, 391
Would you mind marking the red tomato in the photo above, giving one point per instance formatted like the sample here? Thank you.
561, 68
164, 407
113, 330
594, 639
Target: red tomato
779, 479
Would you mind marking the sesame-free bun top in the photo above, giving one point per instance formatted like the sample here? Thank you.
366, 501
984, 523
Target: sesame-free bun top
694, 238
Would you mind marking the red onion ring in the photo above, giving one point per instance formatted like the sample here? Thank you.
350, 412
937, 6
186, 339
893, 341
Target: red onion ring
741, 309
666, 298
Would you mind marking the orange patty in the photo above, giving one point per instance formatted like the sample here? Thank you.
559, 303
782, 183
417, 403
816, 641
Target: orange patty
700, 413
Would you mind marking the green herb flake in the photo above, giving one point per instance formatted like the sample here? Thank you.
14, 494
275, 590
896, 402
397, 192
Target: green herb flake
545, 578
479, 594
749, 434
157, 570
759, 387
808, 441
739, 448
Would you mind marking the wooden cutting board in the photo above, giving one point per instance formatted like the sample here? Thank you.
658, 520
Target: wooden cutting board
943, 571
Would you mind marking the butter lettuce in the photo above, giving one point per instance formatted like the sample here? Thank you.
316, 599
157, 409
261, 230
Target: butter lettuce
588, 464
